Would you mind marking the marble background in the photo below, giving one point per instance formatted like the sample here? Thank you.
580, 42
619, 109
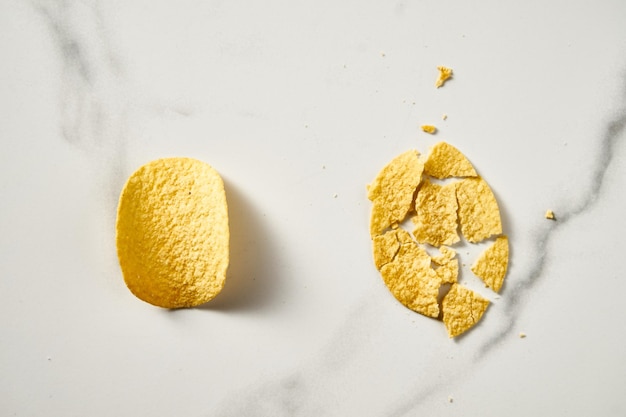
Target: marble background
298, 105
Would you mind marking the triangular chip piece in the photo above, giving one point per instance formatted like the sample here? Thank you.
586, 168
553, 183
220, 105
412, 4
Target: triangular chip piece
446, 161
491, 265
462, 309
479, 214
412, 281
436, 219
392, 191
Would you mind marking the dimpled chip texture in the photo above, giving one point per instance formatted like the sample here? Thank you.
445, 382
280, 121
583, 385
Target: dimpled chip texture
412, 281
492, 264
172, 233
445, 161
462, 309
436, 219
479, 214
392, 191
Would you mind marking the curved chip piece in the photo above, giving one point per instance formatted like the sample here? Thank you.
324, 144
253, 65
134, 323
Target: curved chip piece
492, 264
479, 214
462, 309
412, 281
392, 191
172, 233
436, 219
445, 161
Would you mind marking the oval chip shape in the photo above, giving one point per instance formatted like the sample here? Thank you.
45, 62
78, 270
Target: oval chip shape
172, 233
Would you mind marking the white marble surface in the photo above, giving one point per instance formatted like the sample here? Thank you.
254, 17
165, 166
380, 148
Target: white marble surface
294, 102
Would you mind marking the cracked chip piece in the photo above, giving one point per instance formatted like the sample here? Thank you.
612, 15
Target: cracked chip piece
172, 233
444, 75
462, 309
479, 214
392, 191
449, 272
429, 129
446, 255
412, 281
491, 265
436, 214
445, 161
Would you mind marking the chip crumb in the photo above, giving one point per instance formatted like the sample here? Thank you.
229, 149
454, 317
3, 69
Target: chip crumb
444, 117
450, 399
550, 215
429, 129
335, 195
444, 75
522, 335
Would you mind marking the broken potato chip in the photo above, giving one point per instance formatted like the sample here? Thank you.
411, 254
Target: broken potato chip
465, 202
172, 233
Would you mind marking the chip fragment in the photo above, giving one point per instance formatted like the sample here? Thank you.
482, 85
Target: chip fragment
448, 272
445, 161
444, 74
436, 219
550, 215
446, 255
172, 233
462, 309
491, 265
429, 129
479, 214
412, 281
392, 191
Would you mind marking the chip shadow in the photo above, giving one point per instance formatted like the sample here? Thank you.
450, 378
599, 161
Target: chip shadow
251, 279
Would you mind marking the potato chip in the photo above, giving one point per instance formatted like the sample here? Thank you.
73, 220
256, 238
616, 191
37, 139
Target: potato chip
436, 219
491, 265
172, 233
446, 255
412, 281
392, 191
445, 161
462, 309
479, 214
444, 75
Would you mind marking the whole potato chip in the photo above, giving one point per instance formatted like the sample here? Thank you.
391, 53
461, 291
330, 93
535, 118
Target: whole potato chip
491, 265
445, 161
172, 233
392, 191
462, 309
436, 219
479, 214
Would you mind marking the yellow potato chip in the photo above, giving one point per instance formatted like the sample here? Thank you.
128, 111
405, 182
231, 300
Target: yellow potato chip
436, 219
444, 75
392, 191
172, 233
412, 281
445, 161
491, 265
479, 214
448, 272
446, 255
462, 309
429, 129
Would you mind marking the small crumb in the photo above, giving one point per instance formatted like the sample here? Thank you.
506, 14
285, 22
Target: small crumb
382, 54
306, 126
323, 166
550, 215
429, 129
450, 399
335, 195
522, 335
49, 358
444, 75
444, 117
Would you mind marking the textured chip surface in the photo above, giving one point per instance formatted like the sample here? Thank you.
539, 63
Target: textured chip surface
444, 75
172, 233
436, 219
462, 309
412, 281
445, 161
491, 265
479, 214
392, 191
